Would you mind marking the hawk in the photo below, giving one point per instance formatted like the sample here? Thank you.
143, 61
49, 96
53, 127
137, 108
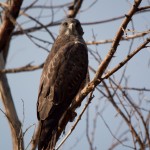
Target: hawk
64, 71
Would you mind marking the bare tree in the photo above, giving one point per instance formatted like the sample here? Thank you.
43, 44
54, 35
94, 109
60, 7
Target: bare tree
131, 111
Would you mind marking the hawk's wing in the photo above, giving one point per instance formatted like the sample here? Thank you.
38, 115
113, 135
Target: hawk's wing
62, 76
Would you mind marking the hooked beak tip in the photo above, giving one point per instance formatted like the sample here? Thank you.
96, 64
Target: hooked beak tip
71, 26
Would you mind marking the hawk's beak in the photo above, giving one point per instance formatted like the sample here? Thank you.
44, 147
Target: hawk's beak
71, 26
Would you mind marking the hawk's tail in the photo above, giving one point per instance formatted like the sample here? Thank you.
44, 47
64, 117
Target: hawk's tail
47, 138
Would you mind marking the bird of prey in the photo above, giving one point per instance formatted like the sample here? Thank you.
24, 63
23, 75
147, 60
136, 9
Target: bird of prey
64, 71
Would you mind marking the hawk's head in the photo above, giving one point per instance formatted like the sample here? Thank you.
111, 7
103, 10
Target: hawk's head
71, 27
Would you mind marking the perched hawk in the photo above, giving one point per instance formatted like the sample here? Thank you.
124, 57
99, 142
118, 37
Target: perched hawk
64, 71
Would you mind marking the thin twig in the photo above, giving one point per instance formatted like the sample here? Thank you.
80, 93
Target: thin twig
126, 59
22, 69
126, 38
78, 119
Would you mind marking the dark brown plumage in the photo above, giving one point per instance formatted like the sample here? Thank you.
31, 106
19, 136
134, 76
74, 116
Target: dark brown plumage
64, 71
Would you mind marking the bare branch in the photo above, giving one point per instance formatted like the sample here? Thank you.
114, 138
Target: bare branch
74, 8
126, 38
6, 30
126, 59
78, 119
56, 23
45, 7
118, 140
25, 68
10, 110
7, 26
104, 64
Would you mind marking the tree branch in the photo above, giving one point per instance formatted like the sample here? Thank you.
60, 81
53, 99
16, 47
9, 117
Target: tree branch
10, 110
126, 59
74, 8
126, 38
97, 79
7, 25
6, 30
22, 69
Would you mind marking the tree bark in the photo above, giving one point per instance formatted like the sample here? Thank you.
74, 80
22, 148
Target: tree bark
10, 13
10, 110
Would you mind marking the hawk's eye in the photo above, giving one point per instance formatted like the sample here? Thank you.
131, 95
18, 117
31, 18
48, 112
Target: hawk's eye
65, 23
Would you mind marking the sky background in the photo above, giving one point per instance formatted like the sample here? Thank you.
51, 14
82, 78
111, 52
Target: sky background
24, 86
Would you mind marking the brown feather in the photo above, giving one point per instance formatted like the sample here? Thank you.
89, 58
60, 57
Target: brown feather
64, 71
